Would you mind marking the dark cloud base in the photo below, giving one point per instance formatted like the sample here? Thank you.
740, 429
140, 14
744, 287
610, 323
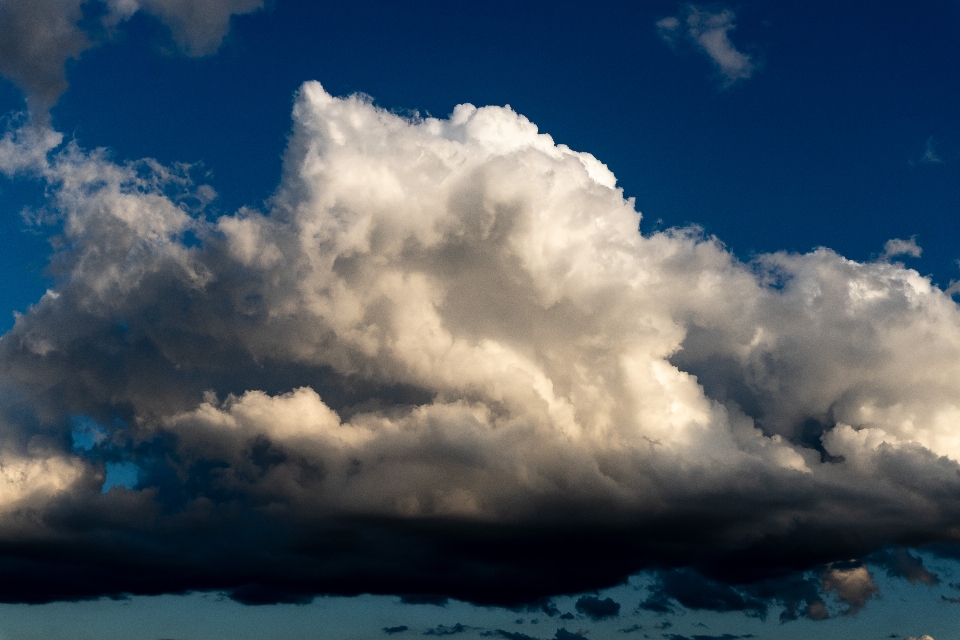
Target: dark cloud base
255, 561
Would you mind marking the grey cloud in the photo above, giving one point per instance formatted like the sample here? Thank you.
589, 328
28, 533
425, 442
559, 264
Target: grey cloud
38, 37
443, 363
596, 608
725, 636
441, 630
708, 31
693, 591
198, 27
513, 635
394, 630
900, 563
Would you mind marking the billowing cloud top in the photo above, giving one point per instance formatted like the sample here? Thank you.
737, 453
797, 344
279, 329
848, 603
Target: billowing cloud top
445, 361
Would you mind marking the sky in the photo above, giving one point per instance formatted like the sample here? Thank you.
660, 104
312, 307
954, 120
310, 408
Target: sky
518, 320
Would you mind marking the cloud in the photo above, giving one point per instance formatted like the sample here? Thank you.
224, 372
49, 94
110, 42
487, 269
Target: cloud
725, 636
40, 36
513, 635
198, 27
441, 630
900, 563
691, 590
930, 155
708, 31
852, 585
598, 609
444, 363
897, 247
394, 630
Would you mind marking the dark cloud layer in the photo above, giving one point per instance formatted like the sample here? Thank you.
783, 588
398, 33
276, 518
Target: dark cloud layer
443, 363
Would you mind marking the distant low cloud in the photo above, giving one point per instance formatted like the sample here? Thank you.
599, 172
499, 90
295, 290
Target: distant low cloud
510, 635
725, 636
598, 609
442, 630
708, 31
900, 563
395, 630
38, 37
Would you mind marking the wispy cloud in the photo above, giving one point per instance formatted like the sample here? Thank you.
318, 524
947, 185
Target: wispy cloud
708, 31
930, 155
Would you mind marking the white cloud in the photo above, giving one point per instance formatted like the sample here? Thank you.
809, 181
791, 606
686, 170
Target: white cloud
458, 319
897, 247
709, 32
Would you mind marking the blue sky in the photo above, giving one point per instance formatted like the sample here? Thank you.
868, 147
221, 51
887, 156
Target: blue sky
229, 340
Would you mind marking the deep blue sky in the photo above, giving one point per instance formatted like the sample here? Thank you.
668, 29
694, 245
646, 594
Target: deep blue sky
820, 147
823, 145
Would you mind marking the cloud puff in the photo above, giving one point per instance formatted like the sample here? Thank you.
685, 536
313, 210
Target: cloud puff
897, 247
444, 363
41, 35
852, 585
708, 31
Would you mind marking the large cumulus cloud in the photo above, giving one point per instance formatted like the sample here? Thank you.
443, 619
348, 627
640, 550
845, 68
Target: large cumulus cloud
443, 361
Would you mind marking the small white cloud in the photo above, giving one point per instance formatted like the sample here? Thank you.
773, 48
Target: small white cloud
897, 247
708, 31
